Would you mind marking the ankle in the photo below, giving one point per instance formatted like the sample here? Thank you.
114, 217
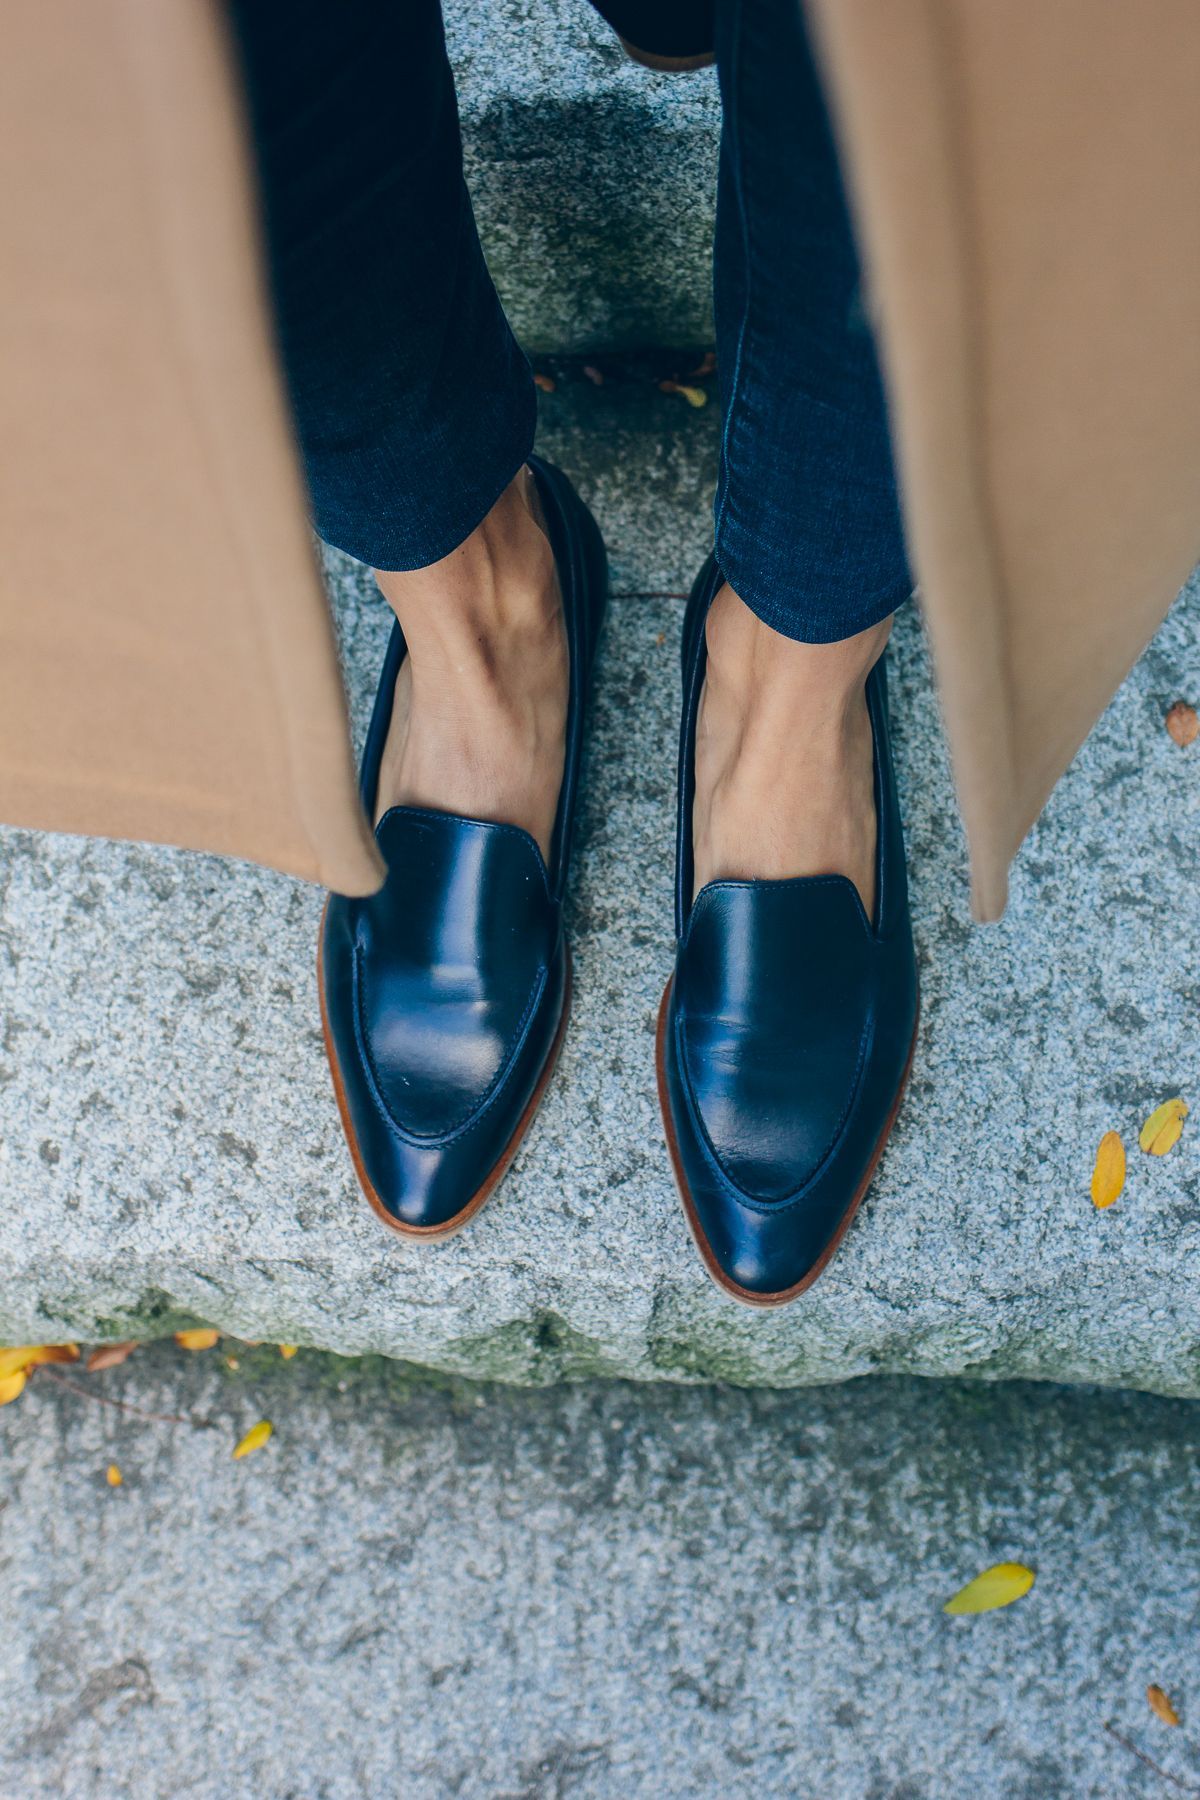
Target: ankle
759, 672
493, 598
480, 704
783, 754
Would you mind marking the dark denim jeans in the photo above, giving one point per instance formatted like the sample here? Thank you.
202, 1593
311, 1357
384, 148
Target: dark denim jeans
415, 406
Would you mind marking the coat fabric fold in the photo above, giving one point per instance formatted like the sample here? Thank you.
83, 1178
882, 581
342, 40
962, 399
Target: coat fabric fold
1024, 181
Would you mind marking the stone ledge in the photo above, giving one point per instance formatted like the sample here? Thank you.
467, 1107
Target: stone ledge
169, 1144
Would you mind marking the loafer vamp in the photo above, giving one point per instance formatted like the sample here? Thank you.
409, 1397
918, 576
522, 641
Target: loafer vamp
444, 993
788, 1031
451, 955
772, 1025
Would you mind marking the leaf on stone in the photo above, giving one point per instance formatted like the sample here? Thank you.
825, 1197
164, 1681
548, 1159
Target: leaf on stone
1108, 1175
287, 1351
1161, 1706
1163, 1128
693, 395
113, 1475
545, 382
594, 375
11, 1386
706, 365
107, 1356
1183, 724
997, 1586
23, 1357
203, 1339
254, 1439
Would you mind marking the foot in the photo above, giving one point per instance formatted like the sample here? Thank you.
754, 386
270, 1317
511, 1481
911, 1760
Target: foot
445, 993
480, 706
785, 781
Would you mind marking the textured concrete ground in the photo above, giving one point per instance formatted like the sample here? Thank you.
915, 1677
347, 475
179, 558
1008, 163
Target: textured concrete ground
601, 1592
169, 1143
588, 171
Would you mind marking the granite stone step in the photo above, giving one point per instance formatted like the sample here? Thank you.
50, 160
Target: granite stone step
169, 1145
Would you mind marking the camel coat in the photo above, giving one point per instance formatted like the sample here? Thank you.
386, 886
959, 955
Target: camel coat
1026, 181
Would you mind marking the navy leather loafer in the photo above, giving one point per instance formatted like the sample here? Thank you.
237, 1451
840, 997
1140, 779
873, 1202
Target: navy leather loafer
785, 1035
444, 996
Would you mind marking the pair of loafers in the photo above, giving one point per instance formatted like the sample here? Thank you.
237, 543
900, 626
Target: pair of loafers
785, 1032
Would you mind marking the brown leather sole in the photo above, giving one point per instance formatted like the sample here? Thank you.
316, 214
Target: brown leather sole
668, 65
747, 1296
432, 1234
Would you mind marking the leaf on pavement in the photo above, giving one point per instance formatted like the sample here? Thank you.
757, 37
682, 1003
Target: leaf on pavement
254, 1439
202, 1339
693, 395
23, 1357
997, 1586
107, 1356
1108, 1176
1163, 1128
1160, 1705
11, 1386
1183, 724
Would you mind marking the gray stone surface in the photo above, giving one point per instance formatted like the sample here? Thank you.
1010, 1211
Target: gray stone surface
169, 1144
589, 1593
593, 179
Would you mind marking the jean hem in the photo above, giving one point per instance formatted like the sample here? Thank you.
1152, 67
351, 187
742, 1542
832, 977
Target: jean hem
442, 529
804, 622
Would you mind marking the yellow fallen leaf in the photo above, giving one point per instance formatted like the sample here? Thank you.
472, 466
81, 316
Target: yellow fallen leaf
1161, 1705
693, 395
254, 1439
1163, 1128
287, 1351
11, 1386
997, 1586
113, 1475
27, 1356
1108, 1176
203, 1339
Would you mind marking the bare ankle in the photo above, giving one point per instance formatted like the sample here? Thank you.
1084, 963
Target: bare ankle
499, 581
747, 655
783, 753
480, 706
